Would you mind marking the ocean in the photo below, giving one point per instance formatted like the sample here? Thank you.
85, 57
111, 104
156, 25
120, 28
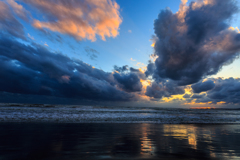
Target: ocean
87, 132
92, 114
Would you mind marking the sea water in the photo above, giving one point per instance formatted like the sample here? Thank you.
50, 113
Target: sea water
91, 114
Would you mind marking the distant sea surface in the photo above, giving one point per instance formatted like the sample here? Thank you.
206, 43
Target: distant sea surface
90, 114
84, 132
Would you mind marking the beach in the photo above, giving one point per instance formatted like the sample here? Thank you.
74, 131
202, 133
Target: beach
118, 141
63, 132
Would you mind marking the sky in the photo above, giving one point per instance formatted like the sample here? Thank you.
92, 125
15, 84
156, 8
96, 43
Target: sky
120, 53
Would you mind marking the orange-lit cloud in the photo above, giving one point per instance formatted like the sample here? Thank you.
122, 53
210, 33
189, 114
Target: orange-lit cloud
182, 9
83, 19
153, 44
140, 64
133, 59
8, 23
153, 57
203, 3
172, 98
221, 102
203, 107
142, 69
203, 26
198, 103
234, 29
18, 9
145, 83
153, 40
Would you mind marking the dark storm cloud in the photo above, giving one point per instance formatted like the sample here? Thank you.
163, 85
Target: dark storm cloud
34, 70
150, 69
203, 86
227, 90
138, 72
129, 78
194, 42
186, 96
164, 89
134, 69
129, 82
121, 69
198, 96
9, 24
224, 90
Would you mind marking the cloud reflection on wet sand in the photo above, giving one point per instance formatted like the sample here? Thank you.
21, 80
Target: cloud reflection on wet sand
118, 141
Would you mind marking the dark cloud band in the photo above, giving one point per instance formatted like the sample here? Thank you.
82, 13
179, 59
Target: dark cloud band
35, 70
223, 90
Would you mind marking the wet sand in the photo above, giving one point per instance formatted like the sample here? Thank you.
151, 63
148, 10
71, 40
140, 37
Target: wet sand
118, 141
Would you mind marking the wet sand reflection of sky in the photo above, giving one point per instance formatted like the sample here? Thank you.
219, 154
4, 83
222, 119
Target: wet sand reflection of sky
146, 144
182, 132
118, 141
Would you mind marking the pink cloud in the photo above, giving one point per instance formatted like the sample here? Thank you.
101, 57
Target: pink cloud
18, 9
83, 19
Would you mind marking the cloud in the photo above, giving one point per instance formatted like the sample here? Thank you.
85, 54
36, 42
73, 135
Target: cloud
153, 57
153, 40
130, 82
196, 41
83, 19
9, 24
140, 64
227, 90
203, 86
18, 9
65, 79
150, 69
92, 53
197, 96
129, 31
34, 70
189, 45
224, 91
129, 79
132, 59
121, 69
187, 96
29, 36
162, 89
